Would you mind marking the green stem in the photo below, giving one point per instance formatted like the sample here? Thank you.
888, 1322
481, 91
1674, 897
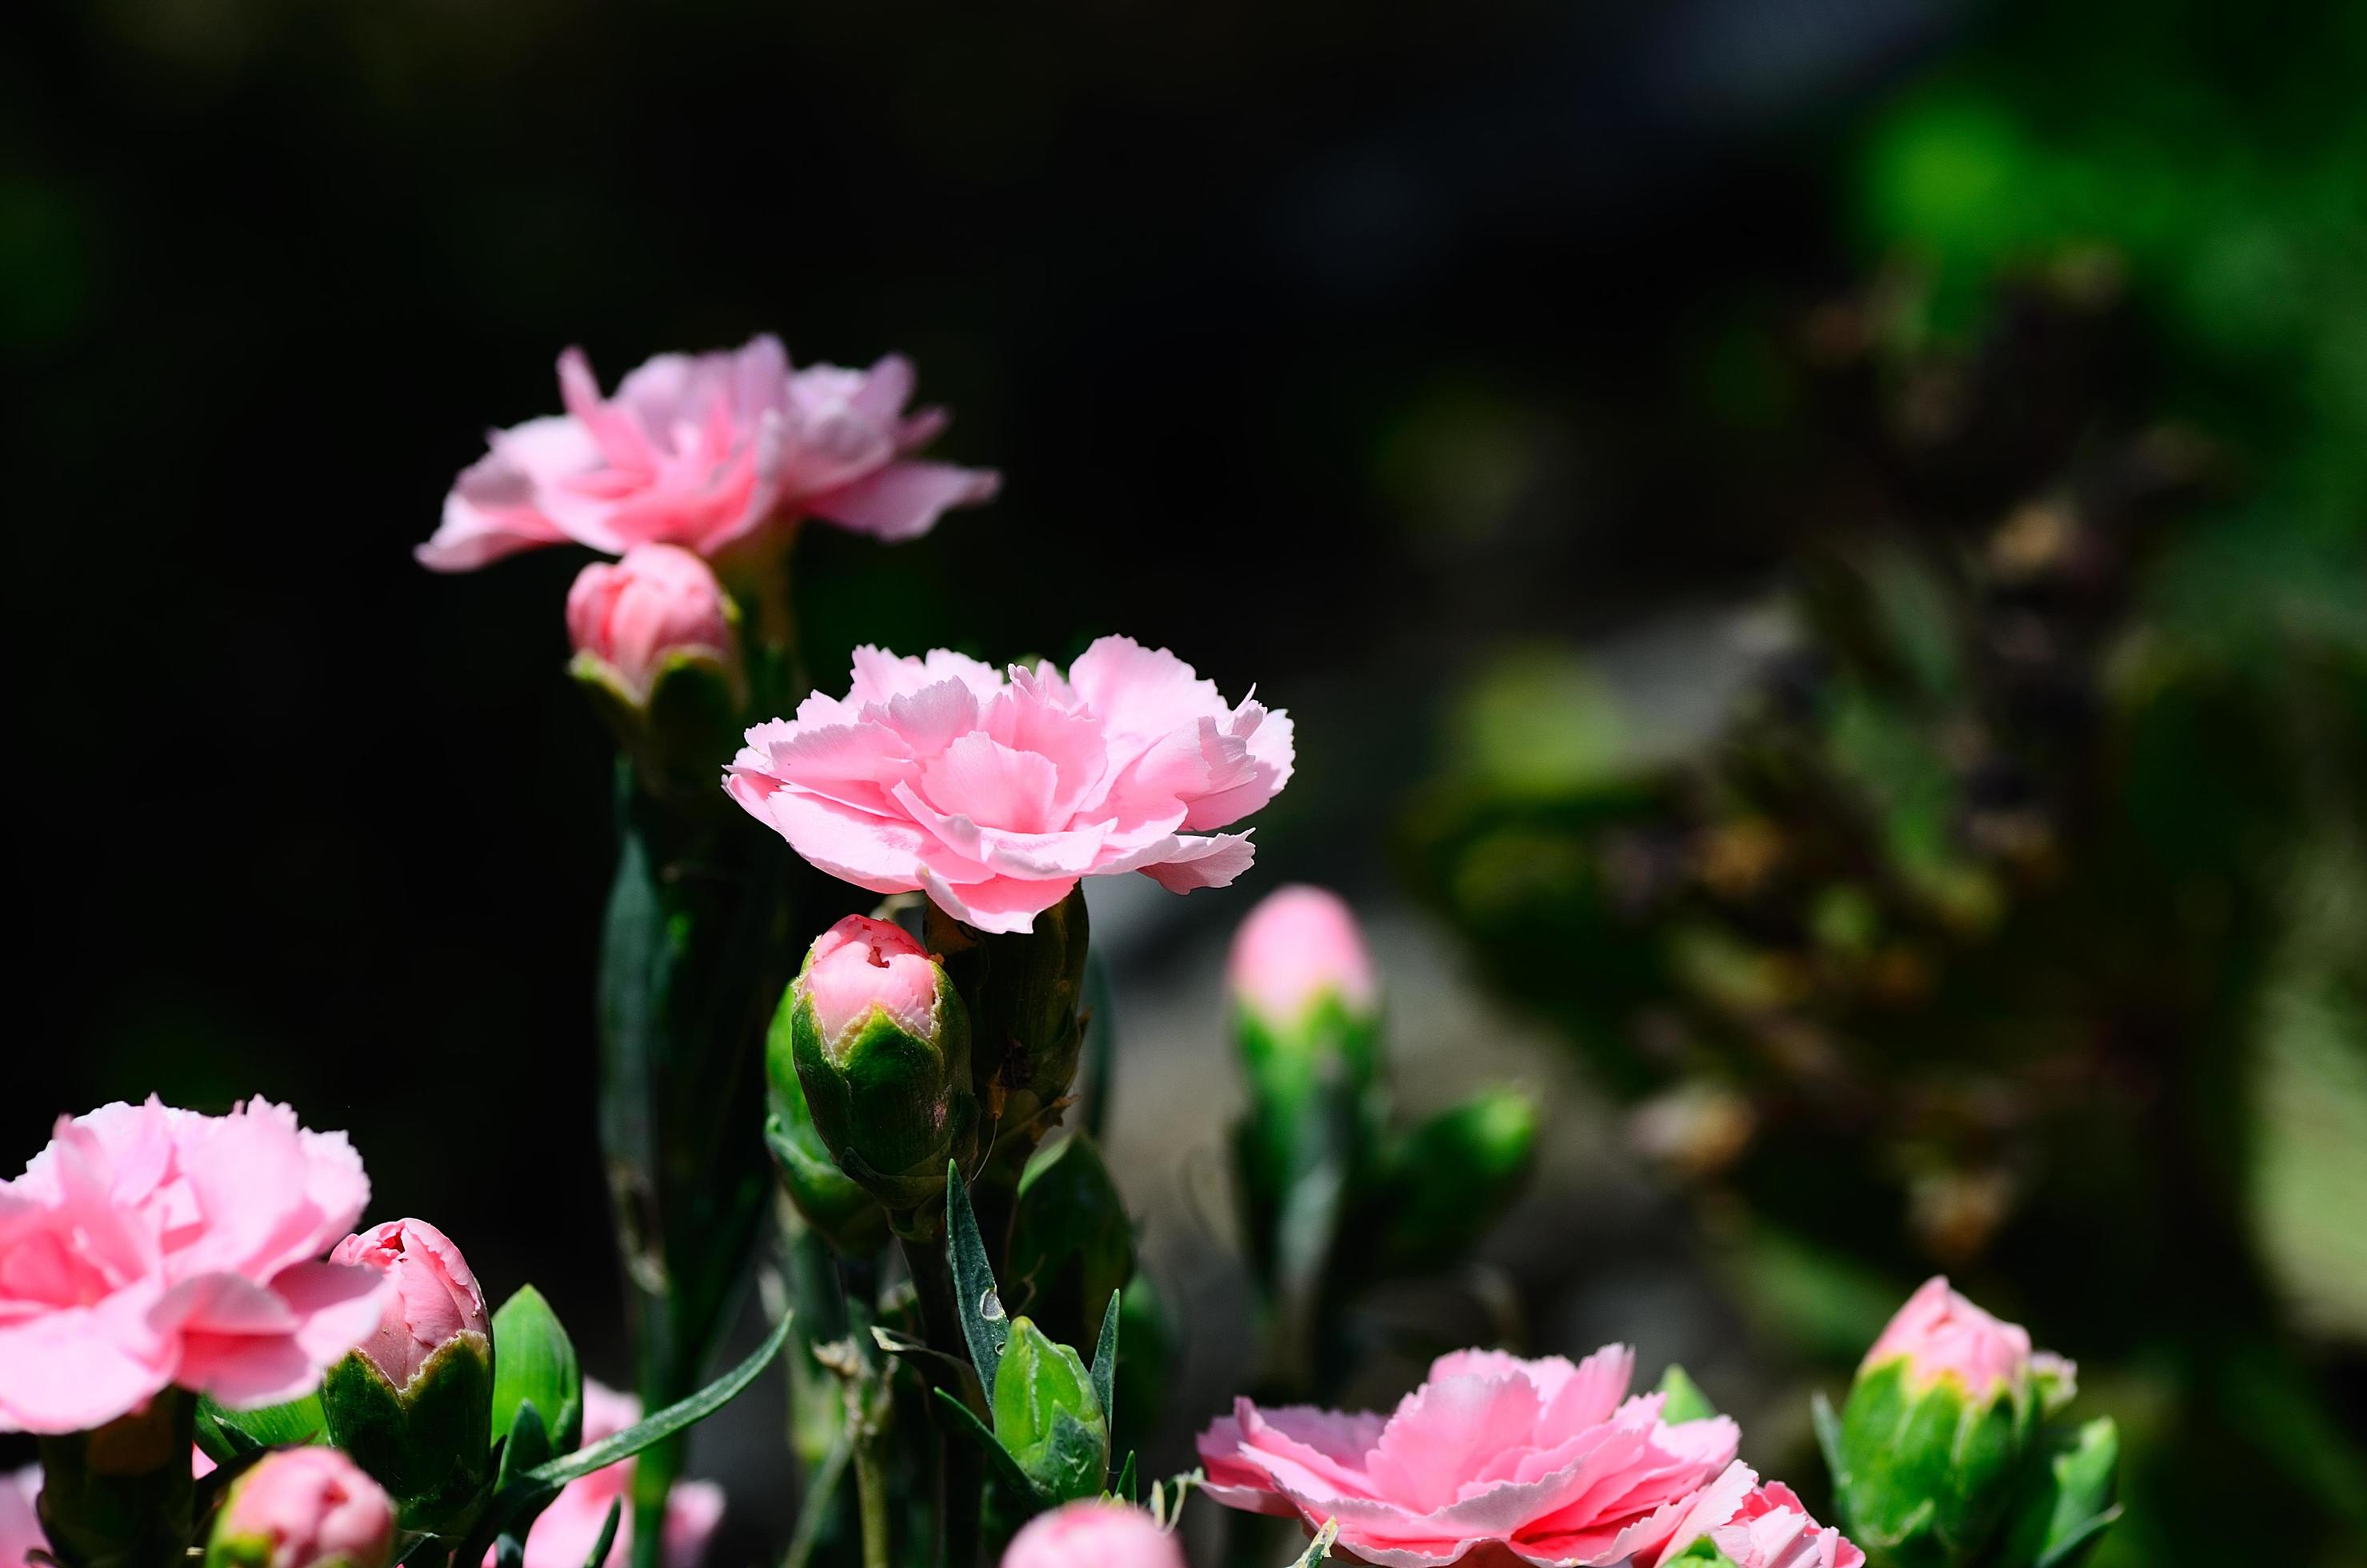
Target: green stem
964, 1471
119, 1496
871, 1499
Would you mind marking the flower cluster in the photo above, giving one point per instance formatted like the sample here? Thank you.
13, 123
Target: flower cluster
994, 793
147, 1247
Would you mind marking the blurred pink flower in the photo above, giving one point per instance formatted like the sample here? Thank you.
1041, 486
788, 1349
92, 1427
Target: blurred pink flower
995, 794
147, 1246
1297, 944
309, 1505
434, 1296
705, 451
20, 1523
1760, 1525
1094, 1534
566, 1532
1942, 1334
659, 599
1494, 1458
861, 963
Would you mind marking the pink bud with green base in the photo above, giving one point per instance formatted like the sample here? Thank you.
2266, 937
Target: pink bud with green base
310, 1508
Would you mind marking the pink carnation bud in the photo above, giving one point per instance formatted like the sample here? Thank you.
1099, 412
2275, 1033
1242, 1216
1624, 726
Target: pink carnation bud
435, 1297
660, 600
860, 964
1094, 1534
1942, 1334
1299, 944
304, 1507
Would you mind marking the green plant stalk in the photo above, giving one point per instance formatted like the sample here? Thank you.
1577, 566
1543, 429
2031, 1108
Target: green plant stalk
119, 1496
964, 1478
692, 956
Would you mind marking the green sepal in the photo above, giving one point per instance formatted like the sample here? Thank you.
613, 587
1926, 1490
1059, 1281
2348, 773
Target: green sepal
689, 721
1926, 1472
1683, 1400
1071, 1240
1125, 1488
527, 1445
428, 1444
1293, 1071
2067, 1497
534, 1364
1048, 1416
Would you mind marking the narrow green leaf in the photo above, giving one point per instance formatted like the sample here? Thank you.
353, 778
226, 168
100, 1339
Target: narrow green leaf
292, 1424
1829, 1438
527, 1444
608, 1536
666, 1423
905, 1347
219, 1441
1105, 1370
1005, 1469
986, 1327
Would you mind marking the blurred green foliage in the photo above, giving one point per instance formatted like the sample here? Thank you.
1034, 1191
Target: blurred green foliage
2011, 919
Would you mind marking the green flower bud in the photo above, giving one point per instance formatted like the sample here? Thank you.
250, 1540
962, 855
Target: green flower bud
310, 1508
878, 1042
118, 1495
1448, 1180
1307, 1019
1047, 1415
1024, 989
826, 1197
1073, 1243
1944, 1410
534, 1363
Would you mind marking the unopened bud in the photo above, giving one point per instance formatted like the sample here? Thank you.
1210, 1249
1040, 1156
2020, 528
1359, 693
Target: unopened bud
310, 1508
1048, 1416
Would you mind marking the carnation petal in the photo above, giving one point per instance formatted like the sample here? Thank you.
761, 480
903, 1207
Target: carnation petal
904, 499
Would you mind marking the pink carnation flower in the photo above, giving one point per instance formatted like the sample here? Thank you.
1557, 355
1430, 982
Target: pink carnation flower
1494, 1458
434, 1298
148, 1246
565, 1533
1761, 1526
1942, 1334
20, 1523
705, 451
995, 794
1094, 1534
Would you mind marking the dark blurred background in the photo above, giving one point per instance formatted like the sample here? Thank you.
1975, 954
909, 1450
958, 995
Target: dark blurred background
1437, 368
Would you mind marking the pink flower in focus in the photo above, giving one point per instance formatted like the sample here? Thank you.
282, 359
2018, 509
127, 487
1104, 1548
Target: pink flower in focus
1094, 1534
20, 1521
1299, 943
435, 1297
660, 600
1541, 1461
1942, 1334
1760, 1526
566, 1532
995, 794
310, 1505
861, 963
148, 1246
705, 451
